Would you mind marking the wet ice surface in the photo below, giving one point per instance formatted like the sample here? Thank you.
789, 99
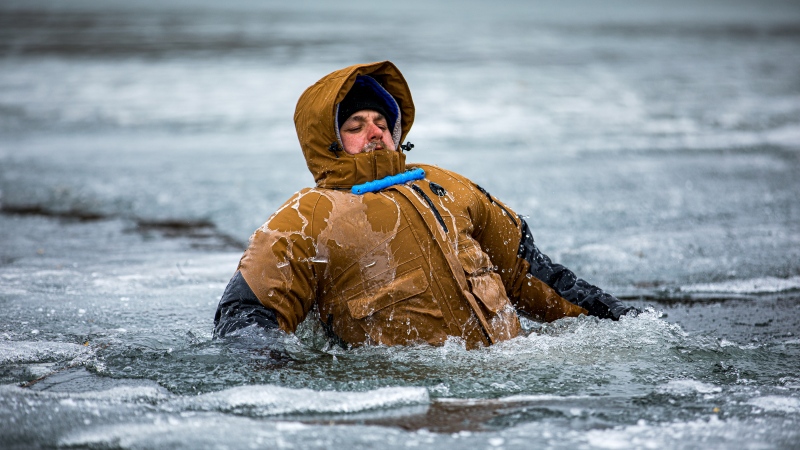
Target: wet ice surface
115, 351
655, 151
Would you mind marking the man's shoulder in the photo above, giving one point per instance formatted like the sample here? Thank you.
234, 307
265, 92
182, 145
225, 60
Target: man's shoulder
436, 173
443, 176
304, 195
302, 206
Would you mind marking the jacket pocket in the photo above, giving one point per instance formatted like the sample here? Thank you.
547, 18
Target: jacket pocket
490, 291
401, 288
485, 284
473, 259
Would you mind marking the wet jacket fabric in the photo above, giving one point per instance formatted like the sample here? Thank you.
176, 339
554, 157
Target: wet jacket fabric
415, 262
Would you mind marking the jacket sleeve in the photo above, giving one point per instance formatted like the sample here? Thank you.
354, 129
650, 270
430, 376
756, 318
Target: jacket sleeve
239, 308
277, 265
562, 280
536, 285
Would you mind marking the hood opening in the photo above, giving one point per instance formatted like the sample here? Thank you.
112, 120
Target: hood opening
390, 104
317, 125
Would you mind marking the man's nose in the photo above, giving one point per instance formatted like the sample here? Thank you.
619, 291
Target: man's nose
374, 132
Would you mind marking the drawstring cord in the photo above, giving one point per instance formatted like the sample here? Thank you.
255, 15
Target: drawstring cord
334, 147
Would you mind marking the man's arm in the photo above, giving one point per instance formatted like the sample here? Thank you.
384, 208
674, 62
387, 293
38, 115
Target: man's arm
566, 284
239, 308
532, 280
274, 286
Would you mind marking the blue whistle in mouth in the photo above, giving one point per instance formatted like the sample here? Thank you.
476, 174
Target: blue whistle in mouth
391, 180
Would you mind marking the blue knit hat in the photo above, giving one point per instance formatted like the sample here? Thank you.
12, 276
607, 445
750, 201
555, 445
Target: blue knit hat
366, 93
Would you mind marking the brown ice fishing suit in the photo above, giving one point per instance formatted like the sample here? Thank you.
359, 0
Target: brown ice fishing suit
415, 262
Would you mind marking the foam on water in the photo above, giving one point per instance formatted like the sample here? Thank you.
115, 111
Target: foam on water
777, 403
233, 432
592, 338
115, 395
276, 400
204, 431
683, 387
16, 352
253, 401
584, 336
569, 357
710, 431
148, 417
762, 285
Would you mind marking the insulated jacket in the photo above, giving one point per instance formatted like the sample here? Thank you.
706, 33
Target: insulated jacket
415, 262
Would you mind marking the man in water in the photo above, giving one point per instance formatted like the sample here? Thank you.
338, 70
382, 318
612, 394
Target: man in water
426, 256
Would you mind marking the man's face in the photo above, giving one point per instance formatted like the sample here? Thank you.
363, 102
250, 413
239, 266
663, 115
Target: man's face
365, 131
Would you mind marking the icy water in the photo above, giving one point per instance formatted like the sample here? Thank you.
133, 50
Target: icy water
654, 147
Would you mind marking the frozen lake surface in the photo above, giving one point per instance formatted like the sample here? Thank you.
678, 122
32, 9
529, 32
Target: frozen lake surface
654, 147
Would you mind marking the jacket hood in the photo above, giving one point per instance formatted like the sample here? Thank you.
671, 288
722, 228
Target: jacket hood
317, 128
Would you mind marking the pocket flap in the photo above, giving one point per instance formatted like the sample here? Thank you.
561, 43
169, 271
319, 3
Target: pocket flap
490, 291
473, 259
405, 286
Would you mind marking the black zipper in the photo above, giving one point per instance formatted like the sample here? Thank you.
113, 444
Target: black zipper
428, 200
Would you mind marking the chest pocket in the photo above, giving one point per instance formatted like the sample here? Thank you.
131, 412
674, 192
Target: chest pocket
405, 286
484, 283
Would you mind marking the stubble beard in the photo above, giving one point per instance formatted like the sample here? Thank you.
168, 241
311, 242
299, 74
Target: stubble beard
372, 146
